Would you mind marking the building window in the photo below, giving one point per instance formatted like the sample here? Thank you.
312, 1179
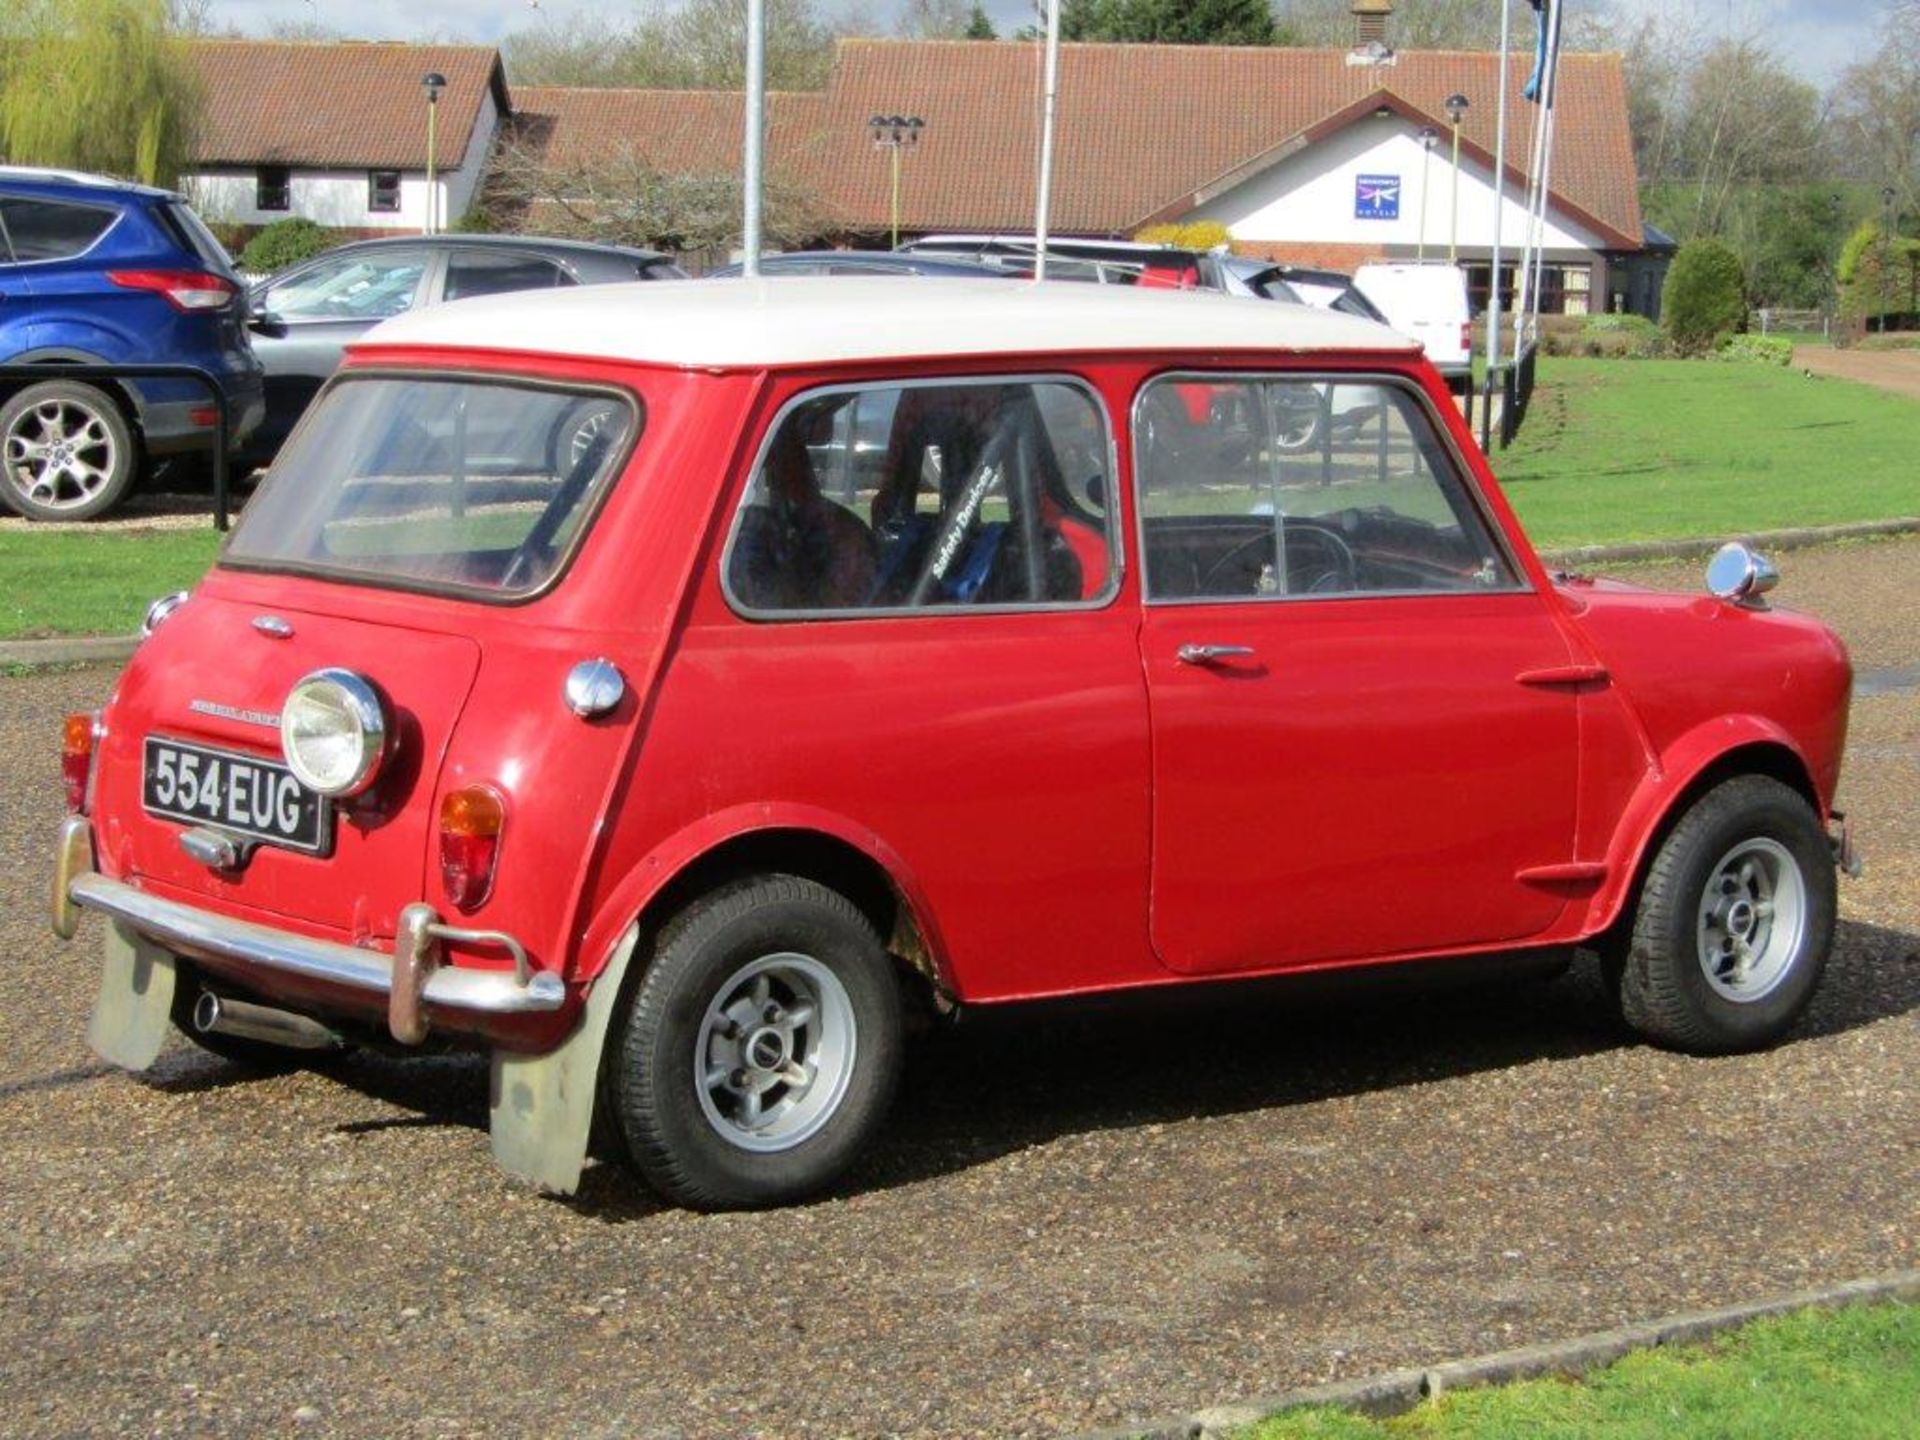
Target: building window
272, 188
383, 191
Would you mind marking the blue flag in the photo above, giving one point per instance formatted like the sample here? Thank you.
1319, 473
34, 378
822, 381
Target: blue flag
1541, 60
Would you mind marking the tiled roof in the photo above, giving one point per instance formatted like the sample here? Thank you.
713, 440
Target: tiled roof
351, 104
691, 132
1143, 130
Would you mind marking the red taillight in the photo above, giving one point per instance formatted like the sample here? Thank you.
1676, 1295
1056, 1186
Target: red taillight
76, 759
1466, 336
471, 820
186, 290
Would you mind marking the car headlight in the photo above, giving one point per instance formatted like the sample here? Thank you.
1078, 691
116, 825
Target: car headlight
333, 731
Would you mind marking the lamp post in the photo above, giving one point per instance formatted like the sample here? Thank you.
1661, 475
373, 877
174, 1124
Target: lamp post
1428, 135
1457, 108
1886, 254
894, 133
433, 82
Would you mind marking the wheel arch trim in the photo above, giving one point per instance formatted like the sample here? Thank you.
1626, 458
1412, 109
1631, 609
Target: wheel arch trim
717, 844
1719, 748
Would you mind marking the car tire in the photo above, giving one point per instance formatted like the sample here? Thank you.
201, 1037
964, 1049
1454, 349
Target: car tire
66, 452
1733, 923
698, 1077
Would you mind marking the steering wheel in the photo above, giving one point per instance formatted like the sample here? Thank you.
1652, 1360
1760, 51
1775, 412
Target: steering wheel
1342, 572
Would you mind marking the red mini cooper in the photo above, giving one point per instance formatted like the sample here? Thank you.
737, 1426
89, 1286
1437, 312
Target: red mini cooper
664, 687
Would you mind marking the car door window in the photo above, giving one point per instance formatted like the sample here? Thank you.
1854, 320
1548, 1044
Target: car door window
926, 497
49, 230
1260, 488
472, 273
349, 287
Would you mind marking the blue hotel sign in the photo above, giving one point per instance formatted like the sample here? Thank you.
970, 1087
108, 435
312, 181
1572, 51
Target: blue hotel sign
1376, 197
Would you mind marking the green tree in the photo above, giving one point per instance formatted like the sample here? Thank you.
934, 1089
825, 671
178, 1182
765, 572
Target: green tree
97, 85
1173, 22
1879, 275
1705, 296
979, 27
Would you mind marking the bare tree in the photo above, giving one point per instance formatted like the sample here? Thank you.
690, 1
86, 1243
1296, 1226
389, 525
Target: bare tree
700, 45
1876, 109
936, 19
622, 197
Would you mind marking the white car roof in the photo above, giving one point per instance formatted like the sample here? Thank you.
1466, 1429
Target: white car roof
801, 319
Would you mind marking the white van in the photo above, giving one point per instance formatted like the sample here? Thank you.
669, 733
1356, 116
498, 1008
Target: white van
1426, 302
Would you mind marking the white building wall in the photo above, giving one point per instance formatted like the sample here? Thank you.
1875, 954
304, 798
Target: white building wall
1308, 198
339, 197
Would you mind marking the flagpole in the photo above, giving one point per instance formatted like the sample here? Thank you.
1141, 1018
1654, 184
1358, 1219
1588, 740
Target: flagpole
1499, 216
1549, 94
756, 126
1043, 201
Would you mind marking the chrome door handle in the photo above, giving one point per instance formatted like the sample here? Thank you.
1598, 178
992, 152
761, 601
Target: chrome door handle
1207, 654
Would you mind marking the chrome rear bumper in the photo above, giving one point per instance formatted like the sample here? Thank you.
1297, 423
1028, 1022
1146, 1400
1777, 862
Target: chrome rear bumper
425, 983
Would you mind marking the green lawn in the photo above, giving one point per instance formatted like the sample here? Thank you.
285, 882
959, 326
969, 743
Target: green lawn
1679, 449
79, 582
1841, 1375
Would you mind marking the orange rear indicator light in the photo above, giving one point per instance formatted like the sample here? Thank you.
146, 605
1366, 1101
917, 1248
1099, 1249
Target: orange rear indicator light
471, 819
76, 758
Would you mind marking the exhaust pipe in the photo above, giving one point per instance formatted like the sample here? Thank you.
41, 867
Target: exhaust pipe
216, 1015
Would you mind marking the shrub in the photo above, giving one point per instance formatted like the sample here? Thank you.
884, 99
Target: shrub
285, 242
1602, 337
1193, 235
1758, 349
1705, 296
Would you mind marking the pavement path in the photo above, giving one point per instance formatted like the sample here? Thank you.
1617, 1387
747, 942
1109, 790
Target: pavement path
1895, 370
1076, 1217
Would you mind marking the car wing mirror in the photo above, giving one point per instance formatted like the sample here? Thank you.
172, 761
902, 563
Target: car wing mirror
265, 322
1740, 576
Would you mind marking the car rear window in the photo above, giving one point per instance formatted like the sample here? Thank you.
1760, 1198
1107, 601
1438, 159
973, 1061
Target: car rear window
51, 230
475, 486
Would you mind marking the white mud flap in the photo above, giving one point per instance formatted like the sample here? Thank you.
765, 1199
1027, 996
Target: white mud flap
541, 1106
134, 1010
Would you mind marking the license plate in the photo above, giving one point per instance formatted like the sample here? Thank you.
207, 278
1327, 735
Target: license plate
239, 794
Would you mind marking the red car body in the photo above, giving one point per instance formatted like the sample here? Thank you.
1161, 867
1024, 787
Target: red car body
1046, 802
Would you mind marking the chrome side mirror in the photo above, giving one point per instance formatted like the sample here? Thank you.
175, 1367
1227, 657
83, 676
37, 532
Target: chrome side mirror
1740, 576
159, 610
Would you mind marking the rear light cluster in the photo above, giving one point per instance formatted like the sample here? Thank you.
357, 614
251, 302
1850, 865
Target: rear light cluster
77, 742
1466, 336
185, 290
471, 819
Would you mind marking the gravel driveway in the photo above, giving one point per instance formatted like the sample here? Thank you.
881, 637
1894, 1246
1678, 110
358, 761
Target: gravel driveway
1076, 1218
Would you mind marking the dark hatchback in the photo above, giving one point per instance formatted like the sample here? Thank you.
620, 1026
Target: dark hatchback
305, 316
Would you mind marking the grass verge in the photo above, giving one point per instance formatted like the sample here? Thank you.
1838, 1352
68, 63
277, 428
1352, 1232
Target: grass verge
81, 582
1851, 1374
1616, 450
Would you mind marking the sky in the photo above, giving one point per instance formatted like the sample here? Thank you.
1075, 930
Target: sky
1819, 38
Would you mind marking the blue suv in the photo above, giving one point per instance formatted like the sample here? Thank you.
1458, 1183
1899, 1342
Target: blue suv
97, 271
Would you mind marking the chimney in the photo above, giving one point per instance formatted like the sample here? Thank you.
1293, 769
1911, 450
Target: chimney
1370, 22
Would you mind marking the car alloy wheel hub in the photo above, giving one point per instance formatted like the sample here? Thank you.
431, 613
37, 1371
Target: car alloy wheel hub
1751, 920
775, 1052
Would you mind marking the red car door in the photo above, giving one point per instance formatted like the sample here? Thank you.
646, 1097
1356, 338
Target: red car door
1362, 744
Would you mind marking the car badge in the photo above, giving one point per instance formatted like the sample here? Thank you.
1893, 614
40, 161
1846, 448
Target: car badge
273, 626
227, 712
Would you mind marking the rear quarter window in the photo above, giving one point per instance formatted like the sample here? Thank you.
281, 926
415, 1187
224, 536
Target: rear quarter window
53, 229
